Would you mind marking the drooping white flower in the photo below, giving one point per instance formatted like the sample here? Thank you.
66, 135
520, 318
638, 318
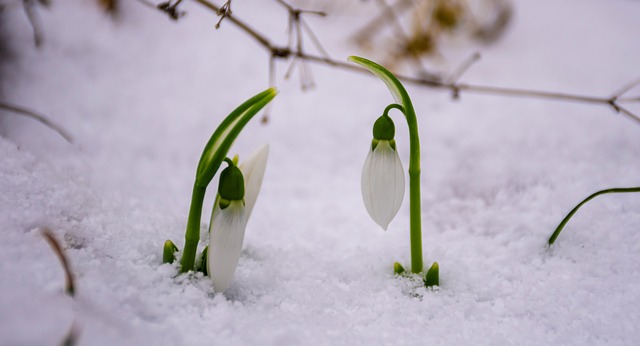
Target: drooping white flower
383, 175
229, 220
383, 183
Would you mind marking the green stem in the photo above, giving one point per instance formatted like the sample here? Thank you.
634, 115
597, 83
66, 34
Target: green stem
192, 235
400, 94
415, 211
566, 219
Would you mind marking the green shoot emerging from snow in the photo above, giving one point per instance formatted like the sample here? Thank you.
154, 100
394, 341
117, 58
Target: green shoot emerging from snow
383, 177
566, 219
212, 157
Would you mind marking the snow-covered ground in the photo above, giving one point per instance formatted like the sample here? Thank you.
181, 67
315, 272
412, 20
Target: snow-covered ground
142, 95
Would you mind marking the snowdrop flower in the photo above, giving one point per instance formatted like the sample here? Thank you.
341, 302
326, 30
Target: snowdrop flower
382, 174
237, 194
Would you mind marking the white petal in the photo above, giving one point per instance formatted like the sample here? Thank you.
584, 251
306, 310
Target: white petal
383, 183
253, 171
225, 243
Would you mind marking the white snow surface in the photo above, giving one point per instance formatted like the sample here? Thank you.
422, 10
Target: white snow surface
141, 96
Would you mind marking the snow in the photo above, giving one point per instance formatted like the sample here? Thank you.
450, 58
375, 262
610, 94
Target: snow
141, 96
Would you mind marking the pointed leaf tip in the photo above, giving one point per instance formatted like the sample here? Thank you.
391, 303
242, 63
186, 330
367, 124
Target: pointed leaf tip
168, 252
220, 142
393, 84
432, 278
398, 268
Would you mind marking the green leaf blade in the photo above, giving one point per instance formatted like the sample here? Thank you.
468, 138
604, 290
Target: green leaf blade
216, 149
566, 219
396, 88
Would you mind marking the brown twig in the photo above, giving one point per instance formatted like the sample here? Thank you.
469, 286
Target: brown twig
626, 88
463, 67
224, 12
71, 338
280, 52
32, 15
399, 32
57, 249
171, 10
39, 117
378, 22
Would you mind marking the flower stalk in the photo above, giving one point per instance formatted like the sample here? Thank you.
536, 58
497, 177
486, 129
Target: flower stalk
406, 107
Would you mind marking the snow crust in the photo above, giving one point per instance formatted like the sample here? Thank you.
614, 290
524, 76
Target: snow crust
141, 96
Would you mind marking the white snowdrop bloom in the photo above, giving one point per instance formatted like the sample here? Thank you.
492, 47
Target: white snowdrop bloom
230, 216
383, 183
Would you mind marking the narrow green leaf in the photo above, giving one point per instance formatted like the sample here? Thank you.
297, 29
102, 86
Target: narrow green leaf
169, 252
398, 268
433, 276
203, 262
566, 219
216, 149
396, 88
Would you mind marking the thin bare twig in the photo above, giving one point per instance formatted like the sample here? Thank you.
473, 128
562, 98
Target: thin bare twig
30, 10
295, 28
171, 10
399, 32
314, 38
427, 81
39, 117
626, 112
57, 249
297, 11
629, 99
71, 338
626, 88
377, 23
224, 12
464, 67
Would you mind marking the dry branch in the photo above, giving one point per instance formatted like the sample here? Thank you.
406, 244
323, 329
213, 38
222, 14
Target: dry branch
286, 52
57, 249
39, 117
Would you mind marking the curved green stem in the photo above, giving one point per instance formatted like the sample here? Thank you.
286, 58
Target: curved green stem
401, 96
192, 234
393, 106
566, 219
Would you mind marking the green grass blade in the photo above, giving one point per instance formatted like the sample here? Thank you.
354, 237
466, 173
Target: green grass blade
566, 219
216, 149
395, 87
